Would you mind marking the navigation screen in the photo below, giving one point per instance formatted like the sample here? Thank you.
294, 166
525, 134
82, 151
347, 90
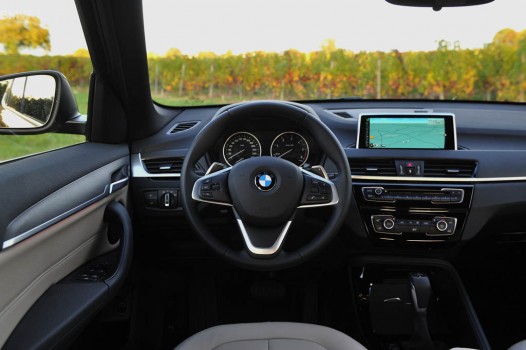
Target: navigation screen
405, 132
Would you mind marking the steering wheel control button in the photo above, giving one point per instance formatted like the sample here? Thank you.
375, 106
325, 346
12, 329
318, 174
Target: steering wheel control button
318, 191
265, 180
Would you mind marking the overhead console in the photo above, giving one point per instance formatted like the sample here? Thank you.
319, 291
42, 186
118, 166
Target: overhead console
394, 209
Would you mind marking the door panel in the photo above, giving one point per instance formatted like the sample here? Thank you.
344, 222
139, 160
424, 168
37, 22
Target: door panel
53, 220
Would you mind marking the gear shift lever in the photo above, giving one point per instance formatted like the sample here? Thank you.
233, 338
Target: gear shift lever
420, 288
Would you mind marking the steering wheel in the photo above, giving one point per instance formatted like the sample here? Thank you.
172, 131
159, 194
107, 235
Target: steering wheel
265, 192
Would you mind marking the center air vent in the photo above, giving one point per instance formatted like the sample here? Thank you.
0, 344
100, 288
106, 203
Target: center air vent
450, 168
182, 127
362, 166
164, 165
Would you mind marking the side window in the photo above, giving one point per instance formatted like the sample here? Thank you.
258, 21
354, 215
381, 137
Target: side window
45, 42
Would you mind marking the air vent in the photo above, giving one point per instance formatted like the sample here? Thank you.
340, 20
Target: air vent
384, 167
450, 168
164, 165
342, 114
183, 126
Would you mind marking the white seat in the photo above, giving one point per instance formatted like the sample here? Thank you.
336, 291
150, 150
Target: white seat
270, 336
519, 346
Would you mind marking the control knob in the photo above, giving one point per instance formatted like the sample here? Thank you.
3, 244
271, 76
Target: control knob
441, 225
389, 224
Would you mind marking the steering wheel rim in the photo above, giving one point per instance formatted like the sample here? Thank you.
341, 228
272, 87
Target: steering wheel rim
329, 145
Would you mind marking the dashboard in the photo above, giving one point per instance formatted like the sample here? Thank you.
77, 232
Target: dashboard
471, 181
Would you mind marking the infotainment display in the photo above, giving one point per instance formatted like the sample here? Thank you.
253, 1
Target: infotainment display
436, 131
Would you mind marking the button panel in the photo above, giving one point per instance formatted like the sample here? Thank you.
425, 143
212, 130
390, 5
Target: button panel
443, 196
161, 199
438, 226
318, 192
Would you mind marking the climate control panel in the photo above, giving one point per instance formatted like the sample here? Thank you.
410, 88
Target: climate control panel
413, 213
437, 226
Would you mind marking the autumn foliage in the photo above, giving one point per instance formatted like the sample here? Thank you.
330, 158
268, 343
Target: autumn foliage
495, 72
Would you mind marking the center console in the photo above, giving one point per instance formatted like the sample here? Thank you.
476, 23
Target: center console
411, 201
413, 213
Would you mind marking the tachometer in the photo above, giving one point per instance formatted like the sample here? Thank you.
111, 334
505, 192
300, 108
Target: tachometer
240, 146
290, 146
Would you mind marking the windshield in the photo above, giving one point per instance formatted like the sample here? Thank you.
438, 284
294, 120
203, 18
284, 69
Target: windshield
215, 52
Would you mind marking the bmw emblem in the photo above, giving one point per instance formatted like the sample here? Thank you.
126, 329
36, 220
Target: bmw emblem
265, 180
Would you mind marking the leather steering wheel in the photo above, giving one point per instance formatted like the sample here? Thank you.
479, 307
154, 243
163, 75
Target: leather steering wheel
265, 192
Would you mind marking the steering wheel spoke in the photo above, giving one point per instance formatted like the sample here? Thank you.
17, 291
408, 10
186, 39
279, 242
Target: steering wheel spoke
260, 241
317, 191
213, 188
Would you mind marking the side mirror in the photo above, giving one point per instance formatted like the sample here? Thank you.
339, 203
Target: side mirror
35, 102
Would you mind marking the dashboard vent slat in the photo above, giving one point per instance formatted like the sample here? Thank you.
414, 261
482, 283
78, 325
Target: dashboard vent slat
164, 165
183, 126
383, 167
450, 168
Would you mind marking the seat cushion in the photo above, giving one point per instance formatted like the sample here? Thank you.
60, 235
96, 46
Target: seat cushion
519, 346
270, 336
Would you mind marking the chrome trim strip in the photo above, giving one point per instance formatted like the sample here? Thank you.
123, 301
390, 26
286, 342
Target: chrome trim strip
425, 240
138, 169
261, 250
27, 234
410, 114
439, 179
114, 184
335, 197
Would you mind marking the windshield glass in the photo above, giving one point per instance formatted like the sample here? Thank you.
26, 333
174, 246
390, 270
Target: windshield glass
216, 52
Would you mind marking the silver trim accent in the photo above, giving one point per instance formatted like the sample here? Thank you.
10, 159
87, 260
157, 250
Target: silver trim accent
335, 197
34, 230
321, 169
410, 114
263, 250
426, 240
212, 168
295, 133
392, 300
197, 187
234, 134
139, 170
440, 179
113, 184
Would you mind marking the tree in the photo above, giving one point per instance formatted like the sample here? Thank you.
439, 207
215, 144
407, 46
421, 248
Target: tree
21, 31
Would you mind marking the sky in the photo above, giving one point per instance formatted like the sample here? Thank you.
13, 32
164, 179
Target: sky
242, 26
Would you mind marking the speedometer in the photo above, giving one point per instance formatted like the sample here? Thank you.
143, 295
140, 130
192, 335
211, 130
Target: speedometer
290, 146
240, 146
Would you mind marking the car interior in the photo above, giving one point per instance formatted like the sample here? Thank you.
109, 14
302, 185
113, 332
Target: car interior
262, 224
